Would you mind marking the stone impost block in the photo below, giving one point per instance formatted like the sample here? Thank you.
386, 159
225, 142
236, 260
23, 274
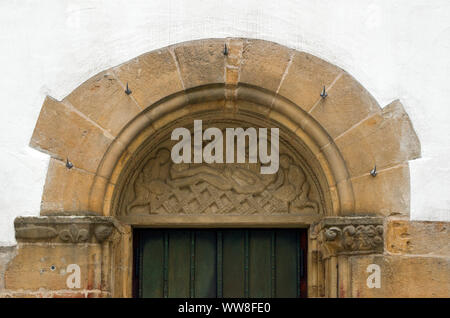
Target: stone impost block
350, 235
64, 229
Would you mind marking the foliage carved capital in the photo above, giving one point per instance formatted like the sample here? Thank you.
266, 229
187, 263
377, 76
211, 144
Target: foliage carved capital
351, 235
65, 229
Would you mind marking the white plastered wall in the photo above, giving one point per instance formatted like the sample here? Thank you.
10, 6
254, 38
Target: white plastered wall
396, 49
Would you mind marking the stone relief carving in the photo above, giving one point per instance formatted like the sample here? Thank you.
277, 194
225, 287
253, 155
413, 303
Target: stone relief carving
102, 232
162, 187
352, 236
36, 232
74, 234
62, 229
361, 237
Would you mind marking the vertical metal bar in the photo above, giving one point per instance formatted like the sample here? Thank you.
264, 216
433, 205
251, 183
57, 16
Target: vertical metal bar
219, 265
166, 265
192, 280
246, 258
298, 262
273, 269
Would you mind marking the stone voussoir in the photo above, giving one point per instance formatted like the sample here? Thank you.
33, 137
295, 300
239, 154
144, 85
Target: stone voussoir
64, 133
150, 77
201, 62
305, 79
102, 98
264, 63
346, 104
385, 139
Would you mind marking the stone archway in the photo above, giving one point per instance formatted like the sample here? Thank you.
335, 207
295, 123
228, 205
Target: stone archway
111, 125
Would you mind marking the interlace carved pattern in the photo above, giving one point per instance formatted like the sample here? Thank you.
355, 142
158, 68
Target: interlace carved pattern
166, 188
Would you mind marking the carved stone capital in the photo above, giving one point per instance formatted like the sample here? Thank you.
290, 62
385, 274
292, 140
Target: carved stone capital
65, 229
351, 235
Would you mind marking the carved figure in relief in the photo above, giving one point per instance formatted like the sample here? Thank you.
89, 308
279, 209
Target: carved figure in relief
165, 187
229, 178
151, 182
294, 187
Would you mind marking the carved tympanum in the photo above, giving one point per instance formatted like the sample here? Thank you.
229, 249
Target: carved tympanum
162, 187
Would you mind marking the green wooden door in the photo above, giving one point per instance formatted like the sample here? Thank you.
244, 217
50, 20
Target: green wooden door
220, 263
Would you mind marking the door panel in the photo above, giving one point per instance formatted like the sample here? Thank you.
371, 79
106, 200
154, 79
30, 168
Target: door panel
179, 264
234, 263
152, 263
286, 264
205, 264
220, 263
260, 264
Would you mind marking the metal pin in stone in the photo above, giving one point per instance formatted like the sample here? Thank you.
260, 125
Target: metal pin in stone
374, 172
127, 91
69, 165
225, 50
324, 93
